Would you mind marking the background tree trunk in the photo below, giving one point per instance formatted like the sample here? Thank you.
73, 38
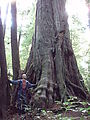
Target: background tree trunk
14, 45
52, 61
3, 76
4, 26
88, 5
15, 49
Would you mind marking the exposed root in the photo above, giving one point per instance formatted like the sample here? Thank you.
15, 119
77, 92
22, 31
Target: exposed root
78, 91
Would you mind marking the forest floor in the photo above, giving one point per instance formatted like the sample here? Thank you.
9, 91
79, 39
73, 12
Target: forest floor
73, 109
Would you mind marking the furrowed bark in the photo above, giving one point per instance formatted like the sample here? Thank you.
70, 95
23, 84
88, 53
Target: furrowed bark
52, 63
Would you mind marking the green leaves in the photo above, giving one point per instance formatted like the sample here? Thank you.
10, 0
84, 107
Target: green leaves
27, 33
80, 43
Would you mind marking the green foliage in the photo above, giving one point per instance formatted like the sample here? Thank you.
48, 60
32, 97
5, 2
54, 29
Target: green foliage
25, 25
43, 111
27, 30
74, 104
81, 47
85, 110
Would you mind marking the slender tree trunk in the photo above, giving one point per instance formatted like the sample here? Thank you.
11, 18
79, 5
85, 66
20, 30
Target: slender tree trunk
14, 45
15, 48
19, 37
52, 62
3, 76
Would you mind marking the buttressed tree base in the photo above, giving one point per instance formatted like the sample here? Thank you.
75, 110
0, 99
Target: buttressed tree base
52, 63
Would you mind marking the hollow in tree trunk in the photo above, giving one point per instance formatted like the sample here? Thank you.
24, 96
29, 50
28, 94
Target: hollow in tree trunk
52, 63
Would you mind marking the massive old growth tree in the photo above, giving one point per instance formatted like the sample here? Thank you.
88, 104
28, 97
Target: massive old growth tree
52, 63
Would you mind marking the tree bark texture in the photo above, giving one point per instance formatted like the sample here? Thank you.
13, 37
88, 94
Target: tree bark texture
3, 76
52, 62
14, 45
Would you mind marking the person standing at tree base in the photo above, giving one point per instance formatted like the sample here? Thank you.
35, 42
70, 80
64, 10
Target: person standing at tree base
21, 93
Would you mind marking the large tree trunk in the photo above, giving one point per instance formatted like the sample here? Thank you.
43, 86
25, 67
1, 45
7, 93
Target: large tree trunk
3, 76
52, 61
14, 45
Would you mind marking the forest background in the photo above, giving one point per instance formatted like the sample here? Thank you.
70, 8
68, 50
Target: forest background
19, 28
78, 25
